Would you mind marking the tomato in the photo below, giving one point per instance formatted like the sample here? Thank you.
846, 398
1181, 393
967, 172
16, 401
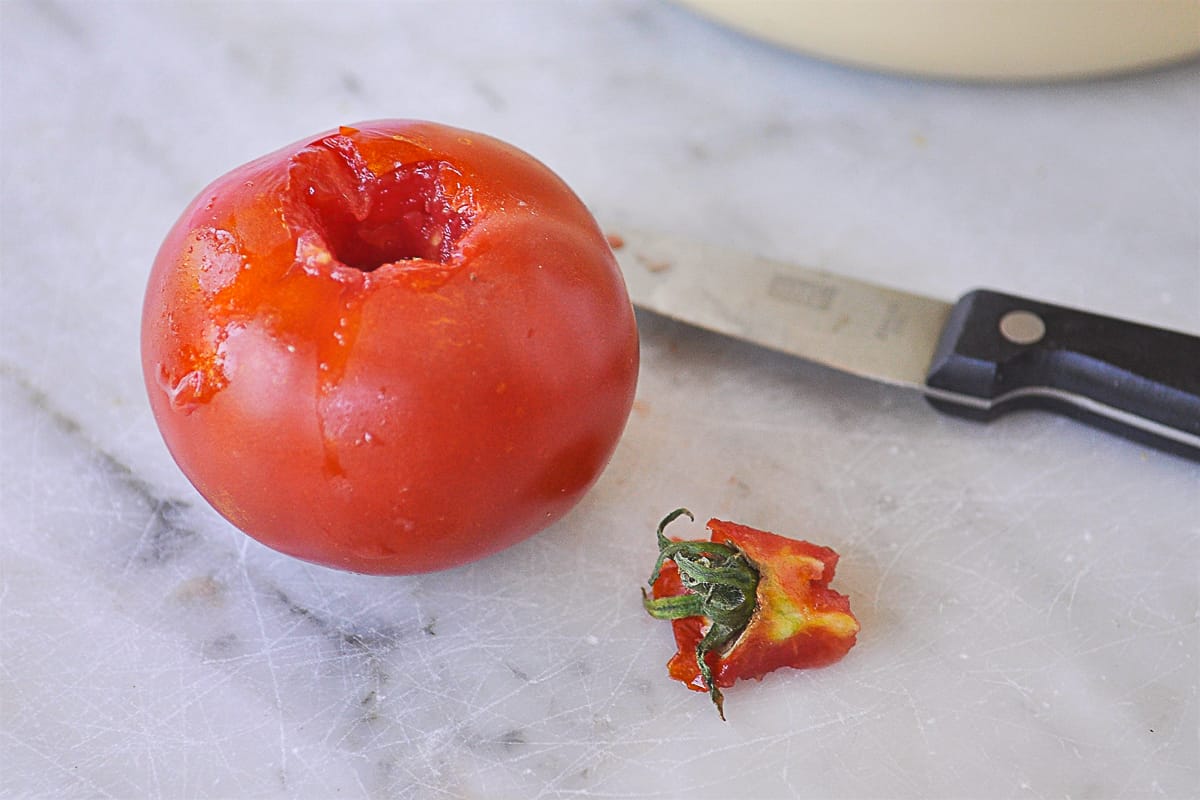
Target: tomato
391, 348
746, 603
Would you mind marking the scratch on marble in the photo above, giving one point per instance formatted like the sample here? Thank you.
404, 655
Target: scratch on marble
269, 655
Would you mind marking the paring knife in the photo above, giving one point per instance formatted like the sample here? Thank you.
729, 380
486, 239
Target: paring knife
983, 355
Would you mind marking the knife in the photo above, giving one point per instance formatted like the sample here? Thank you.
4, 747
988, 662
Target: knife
979, 357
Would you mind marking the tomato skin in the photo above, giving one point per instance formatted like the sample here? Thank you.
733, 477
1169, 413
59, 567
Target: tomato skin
392, 348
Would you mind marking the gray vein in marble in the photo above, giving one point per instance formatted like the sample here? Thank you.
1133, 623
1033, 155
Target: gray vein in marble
161, 534
61, 21
164, 532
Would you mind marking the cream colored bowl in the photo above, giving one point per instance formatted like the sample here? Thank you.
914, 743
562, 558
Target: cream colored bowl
1002, 40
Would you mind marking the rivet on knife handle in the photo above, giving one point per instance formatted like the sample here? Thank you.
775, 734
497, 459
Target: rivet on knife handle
999, 352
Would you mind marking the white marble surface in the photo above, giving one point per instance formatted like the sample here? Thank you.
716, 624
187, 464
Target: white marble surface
1028, 589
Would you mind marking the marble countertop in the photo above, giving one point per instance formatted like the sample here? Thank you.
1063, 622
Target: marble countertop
1028, 589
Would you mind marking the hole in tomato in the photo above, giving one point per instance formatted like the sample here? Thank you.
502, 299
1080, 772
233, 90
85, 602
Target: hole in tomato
368, 220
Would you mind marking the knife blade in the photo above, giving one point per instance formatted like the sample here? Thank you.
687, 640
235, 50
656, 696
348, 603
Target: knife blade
979, 357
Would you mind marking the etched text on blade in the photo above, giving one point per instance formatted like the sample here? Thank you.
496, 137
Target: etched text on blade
853, 326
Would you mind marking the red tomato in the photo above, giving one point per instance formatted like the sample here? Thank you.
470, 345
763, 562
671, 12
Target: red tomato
392, 348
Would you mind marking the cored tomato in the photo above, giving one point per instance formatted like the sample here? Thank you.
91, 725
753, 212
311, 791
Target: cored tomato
392, 348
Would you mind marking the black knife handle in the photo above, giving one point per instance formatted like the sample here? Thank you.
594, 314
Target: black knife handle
999, 352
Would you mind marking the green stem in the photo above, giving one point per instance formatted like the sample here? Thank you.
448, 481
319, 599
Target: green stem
719, 584
677, 607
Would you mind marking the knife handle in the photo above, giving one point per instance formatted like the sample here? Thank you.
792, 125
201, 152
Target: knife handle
999, 352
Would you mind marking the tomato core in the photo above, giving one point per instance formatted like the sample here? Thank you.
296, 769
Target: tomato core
413, 211
409, 218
